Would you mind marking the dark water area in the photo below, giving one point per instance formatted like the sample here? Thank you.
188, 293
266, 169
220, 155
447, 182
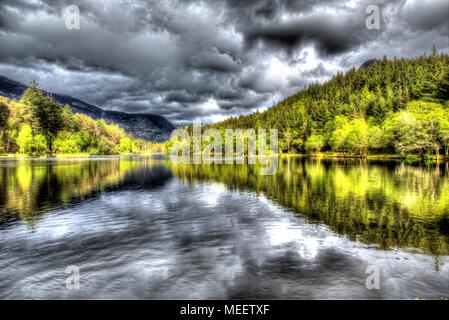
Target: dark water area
147, 228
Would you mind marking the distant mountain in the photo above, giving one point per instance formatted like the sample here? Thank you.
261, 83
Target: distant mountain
368, 63
145, 126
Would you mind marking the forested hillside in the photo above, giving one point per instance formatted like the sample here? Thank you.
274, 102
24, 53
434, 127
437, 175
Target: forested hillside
390, 106
37, 125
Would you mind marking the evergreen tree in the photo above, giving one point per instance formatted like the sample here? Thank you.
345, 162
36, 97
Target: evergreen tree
443, 86
4, 117
47, 114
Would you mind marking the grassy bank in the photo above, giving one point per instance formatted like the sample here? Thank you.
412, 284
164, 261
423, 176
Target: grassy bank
77, 155
334, 155
59, 156
321, 155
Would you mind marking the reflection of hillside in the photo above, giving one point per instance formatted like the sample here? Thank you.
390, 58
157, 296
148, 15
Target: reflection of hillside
391, 205
32, 188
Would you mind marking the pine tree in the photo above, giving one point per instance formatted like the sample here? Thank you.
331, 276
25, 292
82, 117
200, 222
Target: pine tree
434, 51
443, 87
4, 117
47, 114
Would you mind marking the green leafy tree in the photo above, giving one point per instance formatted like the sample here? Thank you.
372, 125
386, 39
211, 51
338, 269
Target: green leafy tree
444, 134
357, 137
125, 146
314, 143
377, 141
408, 134
288, 140
39, 145
25, 139
105, 146
340, 133
68, 143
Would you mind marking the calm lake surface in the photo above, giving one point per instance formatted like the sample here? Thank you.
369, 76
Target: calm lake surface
147, 228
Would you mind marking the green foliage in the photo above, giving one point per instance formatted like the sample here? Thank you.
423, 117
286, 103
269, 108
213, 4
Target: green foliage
443, 87
29, 144
444, 135
127, 145
377, 141
391, 106
314, 143
105, 146
421, 128
357, 138
47, 114
39, 145
68, 143
37, 125
350, 136
341, 131
25, 139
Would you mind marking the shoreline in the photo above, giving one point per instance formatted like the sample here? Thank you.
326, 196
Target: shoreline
324, 155
337, 155
83, 156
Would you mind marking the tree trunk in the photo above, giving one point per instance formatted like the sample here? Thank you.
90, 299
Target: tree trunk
50, 146
421, 154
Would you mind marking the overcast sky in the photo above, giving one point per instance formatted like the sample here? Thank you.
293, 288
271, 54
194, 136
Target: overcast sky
207, 60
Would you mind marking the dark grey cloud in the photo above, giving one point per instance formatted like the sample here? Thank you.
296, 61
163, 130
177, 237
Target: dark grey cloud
182, 97
214, 60
187, 59
331, 34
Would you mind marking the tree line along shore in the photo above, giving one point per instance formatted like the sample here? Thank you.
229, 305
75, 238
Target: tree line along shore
390, 109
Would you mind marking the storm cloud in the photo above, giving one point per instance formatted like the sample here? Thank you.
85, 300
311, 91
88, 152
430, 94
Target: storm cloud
207, 60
